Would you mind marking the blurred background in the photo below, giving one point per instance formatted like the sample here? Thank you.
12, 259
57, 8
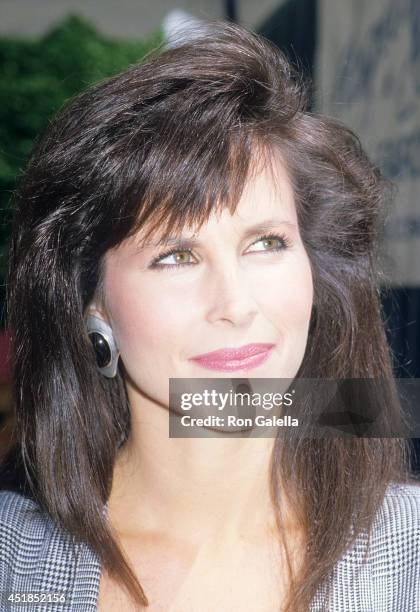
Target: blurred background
363, 57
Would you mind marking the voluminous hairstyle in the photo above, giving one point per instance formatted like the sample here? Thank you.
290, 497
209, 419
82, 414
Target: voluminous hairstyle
161, 145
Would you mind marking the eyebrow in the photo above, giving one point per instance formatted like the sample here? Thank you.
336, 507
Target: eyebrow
192, 243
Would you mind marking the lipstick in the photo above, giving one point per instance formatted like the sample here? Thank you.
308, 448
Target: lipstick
232, 359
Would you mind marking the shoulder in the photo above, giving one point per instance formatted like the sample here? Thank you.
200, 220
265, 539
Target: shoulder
381, 569
15, 506
394, 555
389, 575
395, 537
22, 525
28, 537
394, 534
398, 518
38, 557
405, 494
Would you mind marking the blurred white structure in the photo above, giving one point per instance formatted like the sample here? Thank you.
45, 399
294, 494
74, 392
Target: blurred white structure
180, 25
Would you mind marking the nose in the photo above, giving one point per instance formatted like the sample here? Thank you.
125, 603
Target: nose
230, 298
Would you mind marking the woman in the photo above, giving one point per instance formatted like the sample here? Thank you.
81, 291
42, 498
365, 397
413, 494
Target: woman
187, 205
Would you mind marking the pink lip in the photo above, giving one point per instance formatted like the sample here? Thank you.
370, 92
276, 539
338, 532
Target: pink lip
230, 359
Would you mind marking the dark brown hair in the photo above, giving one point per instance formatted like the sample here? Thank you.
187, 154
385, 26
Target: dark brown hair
165, 143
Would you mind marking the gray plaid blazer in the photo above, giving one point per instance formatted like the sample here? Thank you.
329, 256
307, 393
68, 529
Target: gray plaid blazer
37, 558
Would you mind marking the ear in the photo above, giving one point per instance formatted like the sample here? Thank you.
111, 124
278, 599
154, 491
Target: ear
97, 310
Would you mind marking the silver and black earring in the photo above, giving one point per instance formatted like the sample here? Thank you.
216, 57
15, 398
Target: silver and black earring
103, 342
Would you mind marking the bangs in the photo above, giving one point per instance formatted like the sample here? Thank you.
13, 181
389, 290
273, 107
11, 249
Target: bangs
185, 189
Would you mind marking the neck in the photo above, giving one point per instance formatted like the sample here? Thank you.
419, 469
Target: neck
191, 488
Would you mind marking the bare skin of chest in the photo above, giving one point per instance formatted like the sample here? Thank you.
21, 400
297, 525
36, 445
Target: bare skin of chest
242, 576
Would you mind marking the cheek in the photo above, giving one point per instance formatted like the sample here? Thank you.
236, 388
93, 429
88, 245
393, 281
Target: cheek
289, 296
146, 313
299, 297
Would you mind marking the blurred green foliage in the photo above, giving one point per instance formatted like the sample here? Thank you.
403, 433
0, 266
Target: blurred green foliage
37, 77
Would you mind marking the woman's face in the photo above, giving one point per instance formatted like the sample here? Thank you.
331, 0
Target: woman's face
232, 289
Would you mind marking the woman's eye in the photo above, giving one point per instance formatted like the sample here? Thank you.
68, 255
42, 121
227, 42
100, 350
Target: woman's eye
271, 243
179, 258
